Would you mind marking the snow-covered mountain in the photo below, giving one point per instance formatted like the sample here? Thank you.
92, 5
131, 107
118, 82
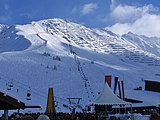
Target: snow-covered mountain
73, 60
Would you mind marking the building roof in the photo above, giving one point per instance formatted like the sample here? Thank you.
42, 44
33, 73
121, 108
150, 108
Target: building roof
107, 97
9, 103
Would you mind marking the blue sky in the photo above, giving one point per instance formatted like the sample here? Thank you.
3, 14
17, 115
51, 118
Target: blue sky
123, 14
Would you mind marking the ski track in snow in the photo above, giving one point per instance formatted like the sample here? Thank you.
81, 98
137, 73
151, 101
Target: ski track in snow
73, 60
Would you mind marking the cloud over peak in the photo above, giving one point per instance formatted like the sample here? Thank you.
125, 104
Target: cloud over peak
126, 13
140, 20
88, 8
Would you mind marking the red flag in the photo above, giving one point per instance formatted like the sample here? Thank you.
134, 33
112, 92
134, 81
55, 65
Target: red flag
108, 79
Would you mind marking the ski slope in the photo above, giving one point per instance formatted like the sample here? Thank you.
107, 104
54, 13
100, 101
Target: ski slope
73, 60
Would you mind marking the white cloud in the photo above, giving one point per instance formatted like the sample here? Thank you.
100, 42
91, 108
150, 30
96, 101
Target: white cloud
125, 13
148, 25
139, 20
88, 8
120, 28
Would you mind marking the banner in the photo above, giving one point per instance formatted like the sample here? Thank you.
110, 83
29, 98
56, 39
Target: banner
108, 79
119, 88
115, 84
122, 83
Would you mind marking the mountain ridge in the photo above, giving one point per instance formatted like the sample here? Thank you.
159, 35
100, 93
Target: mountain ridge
73, 59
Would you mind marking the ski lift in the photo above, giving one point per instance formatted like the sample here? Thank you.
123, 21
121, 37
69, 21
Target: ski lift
8, 88
9, 85
28, 94
56, 105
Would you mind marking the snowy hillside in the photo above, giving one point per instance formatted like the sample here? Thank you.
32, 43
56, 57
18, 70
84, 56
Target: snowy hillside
149, 44
73, 60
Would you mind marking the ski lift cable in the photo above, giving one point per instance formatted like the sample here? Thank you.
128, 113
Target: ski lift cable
19, 86
15, 81
7, 79
85, 78
35, 91
24, 87
80, 69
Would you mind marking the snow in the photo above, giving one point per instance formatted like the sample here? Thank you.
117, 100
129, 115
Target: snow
69, 47
149, 44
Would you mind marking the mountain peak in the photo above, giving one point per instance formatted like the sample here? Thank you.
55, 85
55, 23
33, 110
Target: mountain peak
54, 20
73, 59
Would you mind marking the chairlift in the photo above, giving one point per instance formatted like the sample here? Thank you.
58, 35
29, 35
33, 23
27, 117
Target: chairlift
28, 95
8, 88
9, 85
56, 105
